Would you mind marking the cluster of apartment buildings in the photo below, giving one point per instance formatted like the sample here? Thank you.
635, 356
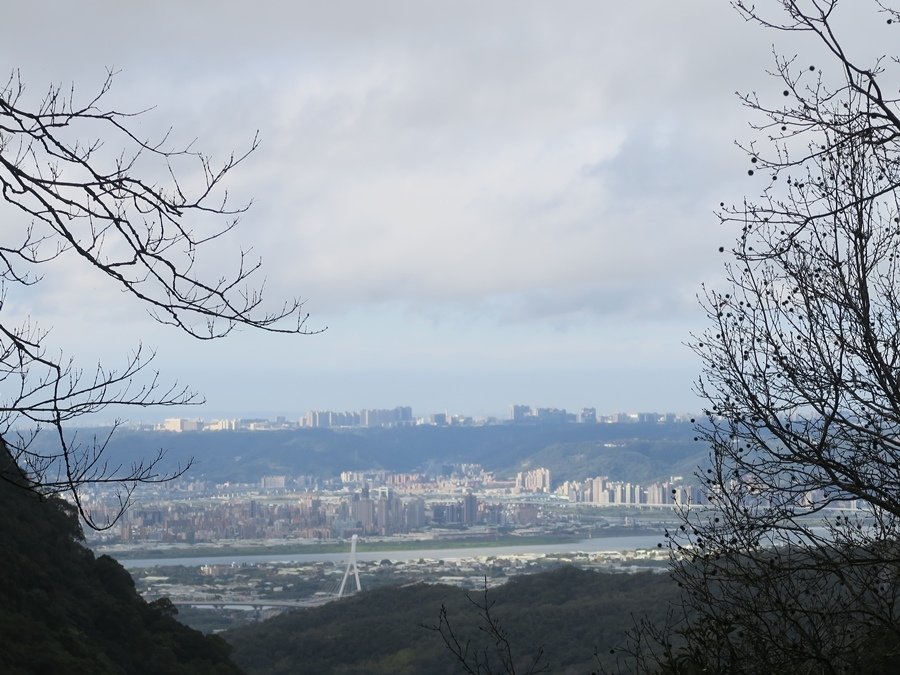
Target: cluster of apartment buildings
399, 416
536, 480
379, 502
382, 511
604, 492
524, 414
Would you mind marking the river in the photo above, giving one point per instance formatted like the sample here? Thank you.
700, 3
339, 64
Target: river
595, 545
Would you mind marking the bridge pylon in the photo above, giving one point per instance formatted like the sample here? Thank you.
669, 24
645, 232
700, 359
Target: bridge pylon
351, 564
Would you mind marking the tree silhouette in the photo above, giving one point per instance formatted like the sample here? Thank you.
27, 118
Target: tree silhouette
81, 184
794, 566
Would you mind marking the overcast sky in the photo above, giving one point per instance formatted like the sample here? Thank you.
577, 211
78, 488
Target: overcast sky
486, 203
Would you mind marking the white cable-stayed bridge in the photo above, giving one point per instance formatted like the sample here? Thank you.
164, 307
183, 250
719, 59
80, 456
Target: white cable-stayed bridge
335, 592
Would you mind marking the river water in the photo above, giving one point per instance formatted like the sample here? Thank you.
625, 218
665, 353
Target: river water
595, 545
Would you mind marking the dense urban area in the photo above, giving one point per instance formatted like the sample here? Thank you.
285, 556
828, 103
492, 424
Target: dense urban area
377, 501
230, 546
198, 541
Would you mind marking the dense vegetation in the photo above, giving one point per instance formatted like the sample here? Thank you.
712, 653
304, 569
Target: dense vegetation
637, 452
570, 612
64, 611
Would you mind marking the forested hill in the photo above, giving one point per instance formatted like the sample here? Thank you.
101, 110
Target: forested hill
64, 611
577, 617
637, 452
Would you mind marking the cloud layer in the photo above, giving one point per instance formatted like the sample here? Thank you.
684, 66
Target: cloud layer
530, 169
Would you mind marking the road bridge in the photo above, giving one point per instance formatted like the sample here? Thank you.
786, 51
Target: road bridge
257, 604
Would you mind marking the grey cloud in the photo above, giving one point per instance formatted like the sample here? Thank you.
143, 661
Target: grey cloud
507, 164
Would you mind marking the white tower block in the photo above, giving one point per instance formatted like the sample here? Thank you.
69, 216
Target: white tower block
350, 563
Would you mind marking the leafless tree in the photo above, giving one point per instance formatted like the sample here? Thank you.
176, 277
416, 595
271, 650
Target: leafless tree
795, 566
81, 185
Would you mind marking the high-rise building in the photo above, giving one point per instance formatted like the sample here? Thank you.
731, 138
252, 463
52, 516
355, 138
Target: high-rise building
414, 513
536, 480
383, 418
470, 509
272, 482
551, 415
520, 413
181, 424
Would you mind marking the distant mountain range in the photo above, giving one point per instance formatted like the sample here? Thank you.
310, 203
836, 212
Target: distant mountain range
636, 452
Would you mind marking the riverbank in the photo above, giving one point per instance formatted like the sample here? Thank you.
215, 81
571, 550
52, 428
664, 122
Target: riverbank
632, 542
363, 546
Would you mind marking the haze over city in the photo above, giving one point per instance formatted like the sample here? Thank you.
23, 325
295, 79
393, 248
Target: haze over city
483, 204
439, 337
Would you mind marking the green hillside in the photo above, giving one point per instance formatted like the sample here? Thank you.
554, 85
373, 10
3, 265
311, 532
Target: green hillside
569, 612
64, 611
636, 452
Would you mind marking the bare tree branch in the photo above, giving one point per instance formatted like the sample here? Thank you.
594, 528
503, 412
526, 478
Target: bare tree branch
86, 186
494, 658
795, 565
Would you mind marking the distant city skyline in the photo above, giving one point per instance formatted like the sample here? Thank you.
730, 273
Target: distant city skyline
408, 416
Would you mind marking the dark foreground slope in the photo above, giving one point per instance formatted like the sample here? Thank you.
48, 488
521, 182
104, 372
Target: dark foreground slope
570, 612
63, 611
